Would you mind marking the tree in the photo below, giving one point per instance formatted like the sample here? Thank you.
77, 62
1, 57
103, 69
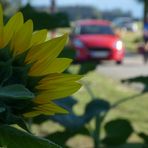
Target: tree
10, 6
49, 21
5, 3
145, 8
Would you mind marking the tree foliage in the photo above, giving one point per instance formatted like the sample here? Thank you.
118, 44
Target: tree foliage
45, 20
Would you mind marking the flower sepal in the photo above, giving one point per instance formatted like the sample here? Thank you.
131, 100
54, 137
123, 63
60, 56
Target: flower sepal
5, 71
14, 101
15, 92
8, 118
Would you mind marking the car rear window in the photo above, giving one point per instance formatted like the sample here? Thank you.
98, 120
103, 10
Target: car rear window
94, 29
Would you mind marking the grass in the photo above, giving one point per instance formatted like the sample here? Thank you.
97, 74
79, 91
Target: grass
131, 40
135, 109
103, 87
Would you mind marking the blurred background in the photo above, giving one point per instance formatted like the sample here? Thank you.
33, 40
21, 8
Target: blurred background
127, 16
107, 45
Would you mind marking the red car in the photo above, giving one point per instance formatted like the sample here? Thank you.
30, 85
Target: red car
95, 39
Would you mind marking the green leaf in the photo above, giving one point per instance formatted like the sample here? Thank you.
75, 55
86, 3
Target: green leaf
12, 119
97, 107
13, 138
8, 117
62, 137
94, 108
144, 137
117, 132
139, 79
16, 91
5, 71
88, 66
2, 109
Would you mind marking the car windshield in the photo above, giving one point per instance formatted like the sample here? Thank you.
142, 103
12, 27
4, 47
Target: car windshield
95, 29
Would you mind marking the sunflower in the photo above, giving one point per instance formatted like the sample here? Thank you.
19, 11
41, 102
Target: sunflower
31, 75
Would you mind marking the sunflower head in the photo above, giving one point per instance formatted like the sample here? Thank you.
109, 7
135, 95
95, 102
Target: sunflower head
31, 74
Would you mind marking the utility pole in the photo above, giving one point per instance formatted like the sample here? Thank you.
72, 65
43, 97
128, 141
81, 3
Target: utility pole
53, 6
145, 8
52, 11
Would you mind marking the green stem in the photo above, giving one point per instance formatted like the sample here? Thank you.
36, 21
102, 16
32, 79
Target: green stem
98, 120
89, 90
97, 132
30, 120
121, 101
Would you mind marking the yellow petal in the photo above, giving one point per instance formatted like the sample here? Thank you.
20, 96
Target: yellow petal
22, 38
38, 37
58, 65
56, 86
32, 114
1, 16
1, 37
48, 50
55, 92
50, 108
46, 109
1, 26
12, 26
57, 79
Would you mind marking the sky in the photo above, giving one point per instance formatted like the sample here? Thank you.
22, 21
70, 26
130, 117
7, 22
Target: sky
125, 5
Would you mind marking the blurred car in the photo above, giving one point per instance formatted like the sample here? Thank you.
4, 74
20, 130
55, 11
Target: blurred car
125, 23
95, 39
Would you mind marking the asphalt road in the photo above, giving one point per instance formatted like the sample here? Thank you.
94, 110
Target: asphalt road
132, 66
